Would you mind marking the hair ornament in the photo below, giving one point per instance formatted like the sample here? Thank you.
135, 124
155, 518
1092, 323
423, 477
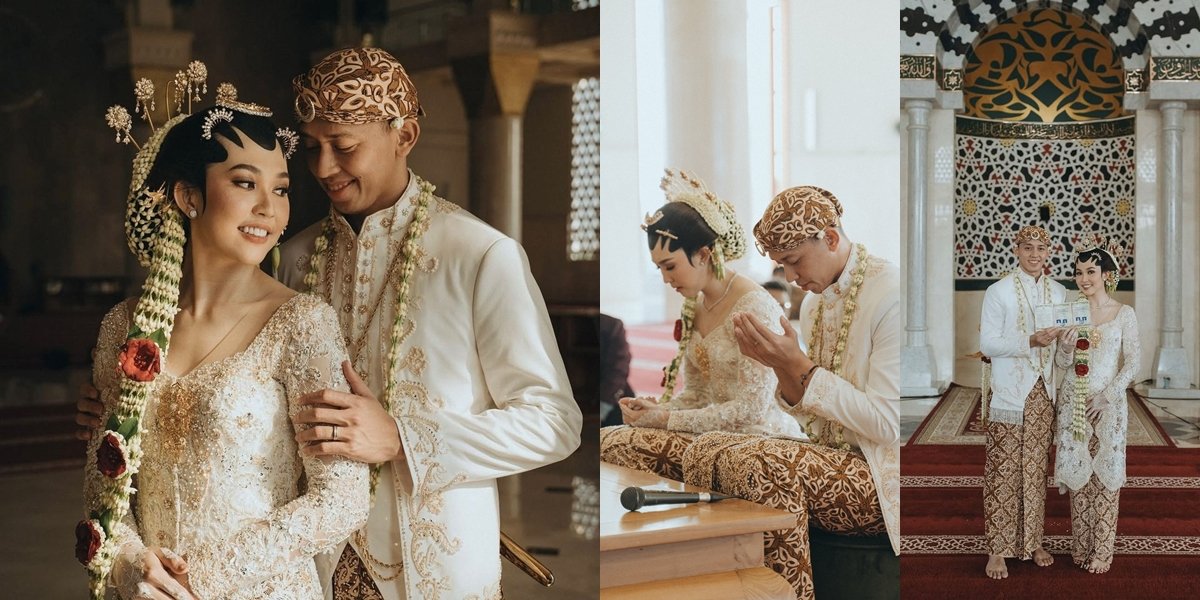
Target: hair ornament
719, 215
227, 98
214, 117
289, 139
651, 219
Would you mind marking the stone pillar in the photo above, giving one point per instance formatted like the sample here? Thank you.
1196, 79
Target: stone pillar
1172, 367
495, 62
917, 369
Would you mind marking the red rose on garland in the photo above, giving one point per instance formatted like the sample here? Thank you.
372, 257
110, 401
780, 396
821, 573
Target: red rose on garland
89, 536
1082, 344
139, 359
110, 456
1081, 370
678, 329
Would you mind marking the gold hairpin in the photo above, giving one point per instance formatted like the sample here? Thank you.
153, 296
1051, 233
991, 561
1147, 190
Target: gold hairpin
214, 117
651, 219
666, 233
290, 140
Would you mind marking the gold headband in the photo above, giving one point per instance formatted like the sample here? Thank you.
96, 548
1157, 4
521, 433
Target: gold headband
795, 215
1032, 233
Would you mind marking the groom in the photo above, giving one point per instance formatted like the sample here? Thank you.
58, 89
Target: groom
1021, 407
477, 387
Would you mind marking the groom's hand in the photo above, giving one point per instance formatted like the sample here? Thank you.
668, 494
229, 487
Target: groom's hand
780, 352
352, 425
1043, 337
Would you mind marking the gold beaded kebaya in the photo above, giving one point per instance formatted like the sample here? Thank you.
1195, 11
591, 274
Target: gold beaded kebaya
155, 234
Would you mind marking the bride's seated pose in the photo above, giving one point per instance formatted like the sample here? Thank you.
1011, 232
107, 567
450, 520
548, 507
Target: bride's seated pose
195, 484
691, 238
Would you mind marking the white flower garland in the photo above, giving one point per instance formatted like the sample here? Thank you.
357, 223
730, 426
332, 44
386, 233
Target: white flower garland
671, 371
816, 346
408, 260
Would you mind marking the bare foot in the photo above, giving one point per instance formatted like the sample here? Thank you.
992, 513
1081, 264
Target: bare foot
1042, 558
996, 569
1099, 566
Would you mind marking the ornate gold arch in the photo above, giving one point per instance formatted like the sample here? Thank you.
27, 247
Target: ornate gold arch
1045, 66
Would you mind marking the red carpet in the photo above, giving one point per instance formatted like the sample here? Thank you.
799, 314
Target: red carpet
1158, 542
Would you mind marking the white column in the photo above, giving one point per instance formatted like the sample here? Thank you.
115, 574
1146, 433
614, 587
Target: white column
1172, 368
917, 377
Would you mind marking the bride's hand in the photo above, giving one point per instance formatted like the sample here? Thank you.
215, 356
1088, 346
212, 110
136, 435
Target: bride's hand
164, 576
1067, 337
1095, 407
646, 417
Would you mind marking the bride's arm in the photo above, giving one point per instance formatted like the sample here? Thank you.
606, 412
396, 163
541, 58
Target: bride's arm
335, 502
1131, 355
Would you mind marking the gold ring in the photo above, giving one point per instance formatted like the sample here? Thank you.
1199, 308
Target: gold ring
334, 431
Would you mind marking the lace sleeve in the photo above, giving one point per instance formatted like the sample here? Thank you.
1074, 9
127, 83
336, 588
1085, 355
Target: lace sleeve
336, 499
1064, 356
1131, 353
693, 385
754, 390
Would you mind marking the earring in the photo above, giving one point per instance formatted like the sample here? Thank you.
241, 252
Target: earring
192, 213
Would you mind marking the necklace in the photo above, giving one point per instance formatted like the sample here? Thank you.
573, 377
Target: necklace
728, 286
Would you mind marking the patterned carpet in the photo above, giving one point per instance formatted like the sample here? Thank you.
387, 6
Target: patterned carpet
956, 421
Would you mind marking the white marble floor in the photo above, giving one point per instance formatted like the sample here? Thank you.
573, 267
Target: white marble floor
1179, 418
538, 509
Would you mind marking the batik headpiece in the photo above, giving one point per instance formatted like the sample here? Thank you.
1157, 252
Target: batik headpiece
1032, 233
356, 86
1095, 243
796, 215
719, 215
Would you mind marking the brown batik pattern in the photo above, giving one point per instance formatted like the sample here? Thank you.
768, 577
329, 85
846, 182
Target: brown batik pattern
351, 580
1093, 519
645, 449
795, 215
828, 488
1014, 479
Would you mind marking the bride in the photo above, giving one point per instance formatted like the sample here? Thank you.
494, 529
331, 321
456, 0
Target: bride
1100, 361
690, 239
195, 485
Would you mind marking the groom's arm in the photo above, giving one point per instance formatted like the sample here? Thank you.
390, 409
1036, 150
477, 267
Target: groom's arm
535, 420
996, 338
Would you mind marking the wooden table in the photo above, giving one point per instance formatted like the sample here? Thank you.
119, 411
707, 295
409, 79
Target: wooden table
697, 551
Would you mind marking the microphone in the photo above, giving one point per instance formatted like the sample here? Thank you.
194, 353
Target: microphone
633, 498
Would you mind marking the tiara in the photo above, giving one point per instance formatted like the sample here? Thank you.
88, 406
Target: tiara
227, 97
215, 116
1094, 242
